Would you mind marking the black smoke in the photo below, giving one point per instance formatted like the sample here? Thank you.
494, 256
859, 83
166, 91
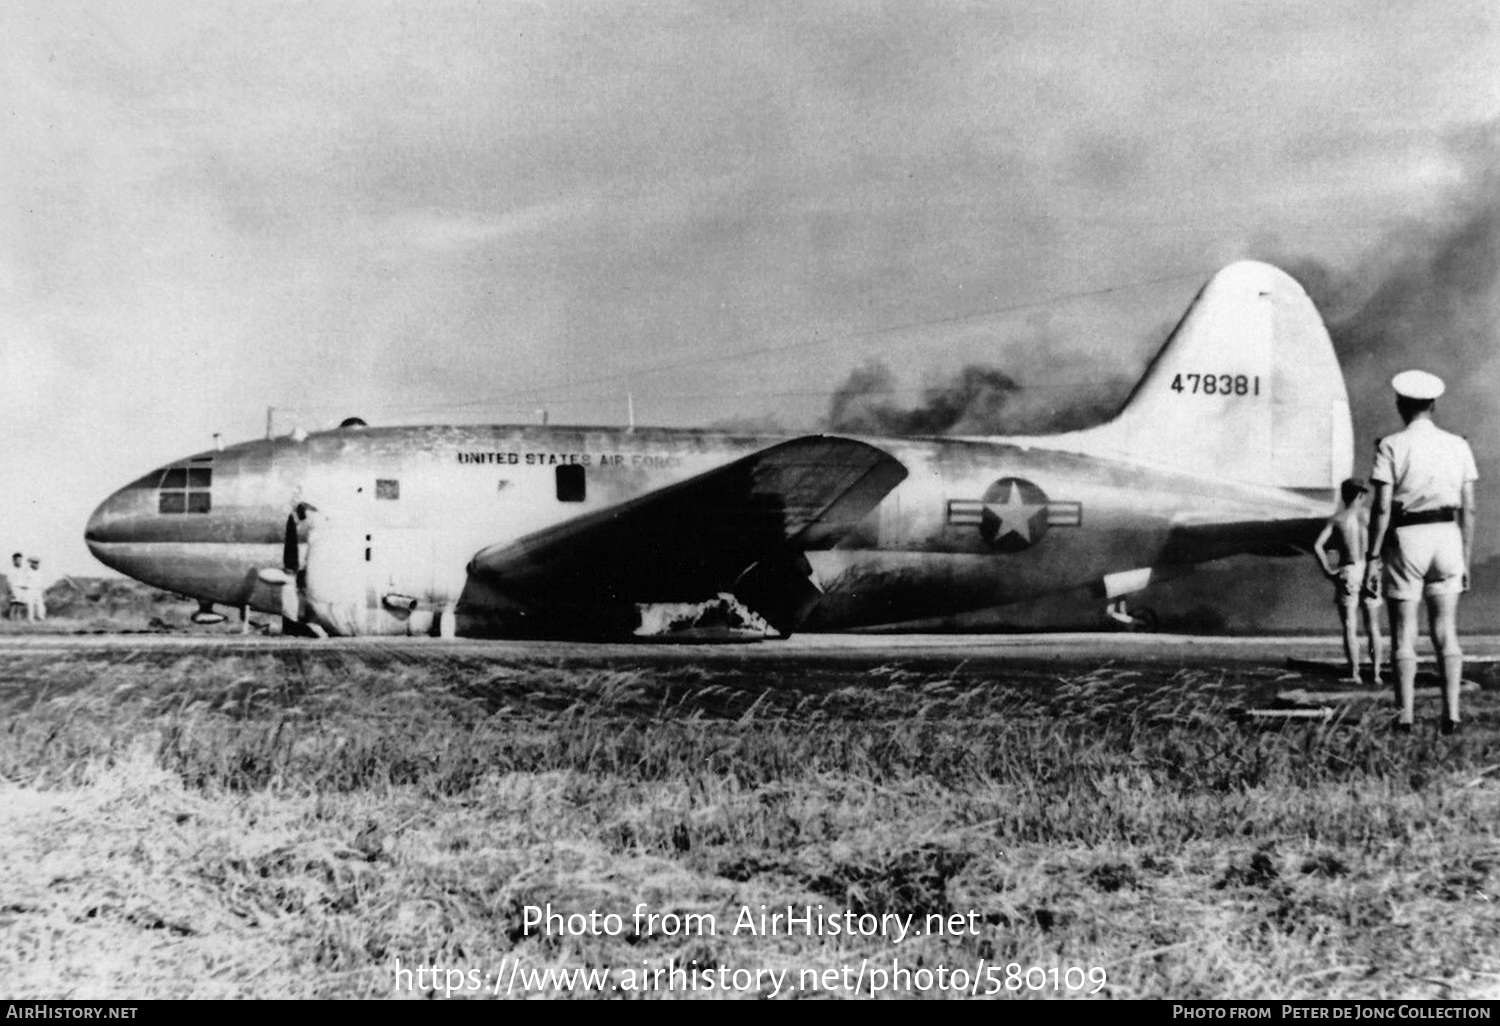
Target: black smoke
1426, 295
978, 400
863, 404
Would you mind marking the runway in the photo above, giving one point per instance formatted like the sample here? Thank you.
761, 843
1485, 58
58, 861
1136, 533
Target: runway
845, 650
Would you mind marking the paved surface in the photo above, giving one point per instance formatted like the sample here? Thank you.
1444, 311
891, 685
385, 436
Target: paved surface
806, 649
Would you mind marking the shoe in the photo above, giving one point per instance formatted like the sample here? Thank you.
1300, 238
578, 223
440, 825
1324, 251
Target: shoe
1401, 728
1451, 727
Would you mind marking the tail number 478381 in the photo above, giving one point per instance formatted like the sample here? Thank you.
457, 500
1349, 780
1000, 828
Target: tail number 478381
1217, 384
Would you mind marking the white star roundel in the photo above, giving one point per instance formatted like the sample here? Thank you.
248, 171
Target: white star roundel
1013, 514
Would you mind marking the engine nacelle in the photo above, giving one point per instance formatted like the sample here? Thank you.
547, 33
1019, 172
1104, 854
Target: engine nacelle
379, 581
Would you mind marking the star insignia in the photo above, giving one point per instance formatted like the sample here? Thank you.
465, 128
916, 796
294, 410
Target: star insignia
1013, 514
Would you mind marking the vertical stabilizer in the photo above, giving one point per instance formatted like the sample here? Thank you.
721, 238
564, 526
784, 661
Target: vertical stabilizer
1246, 388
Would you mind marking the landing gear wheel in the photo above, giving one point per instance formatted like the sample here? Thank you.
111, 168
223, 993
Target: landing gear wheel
1142, 619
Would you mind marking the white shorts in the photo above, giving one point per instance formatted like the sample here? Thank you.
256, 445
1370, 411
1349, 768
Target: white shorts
1426, 559
1349, 586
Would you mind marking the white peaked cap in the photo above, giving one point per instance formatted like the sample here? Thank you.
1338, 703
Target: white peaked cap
1418, 384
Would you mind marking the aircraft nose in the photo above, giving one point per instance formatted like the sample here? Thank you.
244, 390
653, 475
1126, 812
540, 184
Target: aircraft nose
118, 520
98, 523
100, 532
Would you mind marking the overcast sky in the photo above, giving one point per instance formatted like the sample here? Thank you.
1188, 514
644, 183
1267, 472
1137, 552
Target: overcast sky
426, 211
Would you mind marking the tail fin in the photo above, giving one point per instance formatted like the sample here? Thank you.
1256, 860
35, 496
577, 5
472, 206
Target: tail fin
1247, 387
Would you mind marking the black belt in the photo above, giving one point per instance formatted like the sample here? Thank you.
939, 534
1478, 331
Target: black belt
1442, 515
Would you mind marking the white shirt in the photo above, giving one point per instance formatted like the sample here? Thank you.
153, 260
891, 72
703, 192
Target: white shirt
1426, 466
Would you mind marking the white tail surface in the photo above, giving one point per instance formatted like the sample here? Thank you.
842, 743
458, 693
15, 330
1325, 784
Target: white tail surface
1246, 388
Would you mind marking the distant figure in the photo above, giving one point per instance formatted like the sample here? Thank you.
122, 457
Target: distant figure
1422, 530
36, 601
1340, 549
20, 593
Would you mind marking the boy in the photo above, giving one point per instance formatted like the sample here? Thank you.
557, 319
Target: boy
1340, 549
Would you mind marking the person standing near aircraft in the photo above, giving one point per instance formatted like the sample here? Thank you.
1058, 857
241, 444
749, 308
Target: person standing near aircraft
18, 604
36, 598
1340, 549
1422, 537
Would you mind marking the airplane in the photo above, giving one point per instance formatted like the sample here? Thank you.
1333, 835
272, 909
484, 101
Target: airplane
1234, 441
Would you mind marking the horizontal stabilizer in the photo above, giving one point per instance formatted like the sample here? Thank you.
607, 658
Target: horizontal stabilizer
1199, 543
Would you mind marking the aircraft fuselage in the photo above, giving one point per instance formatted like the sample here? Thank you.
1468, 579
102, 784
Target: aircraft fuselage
975, 524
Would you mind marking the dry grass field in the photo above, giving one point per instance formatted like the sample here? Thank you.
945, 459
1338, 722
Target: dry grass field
289, 821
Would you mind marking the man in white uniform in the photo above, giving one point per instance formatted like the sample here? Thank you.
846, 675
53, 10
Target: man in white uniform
1422, 537
36, 604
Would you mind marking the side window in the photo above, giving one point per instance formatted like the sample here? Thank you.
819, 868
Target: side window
570, 483
386, 488
186, 490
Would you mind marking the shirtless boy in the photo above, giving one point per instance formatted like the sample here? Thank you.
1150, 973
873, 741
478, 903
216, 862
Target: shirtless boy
1340, 549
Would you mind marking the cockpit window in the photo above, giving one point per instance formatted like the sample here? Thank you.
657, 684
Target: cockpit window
186, 490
